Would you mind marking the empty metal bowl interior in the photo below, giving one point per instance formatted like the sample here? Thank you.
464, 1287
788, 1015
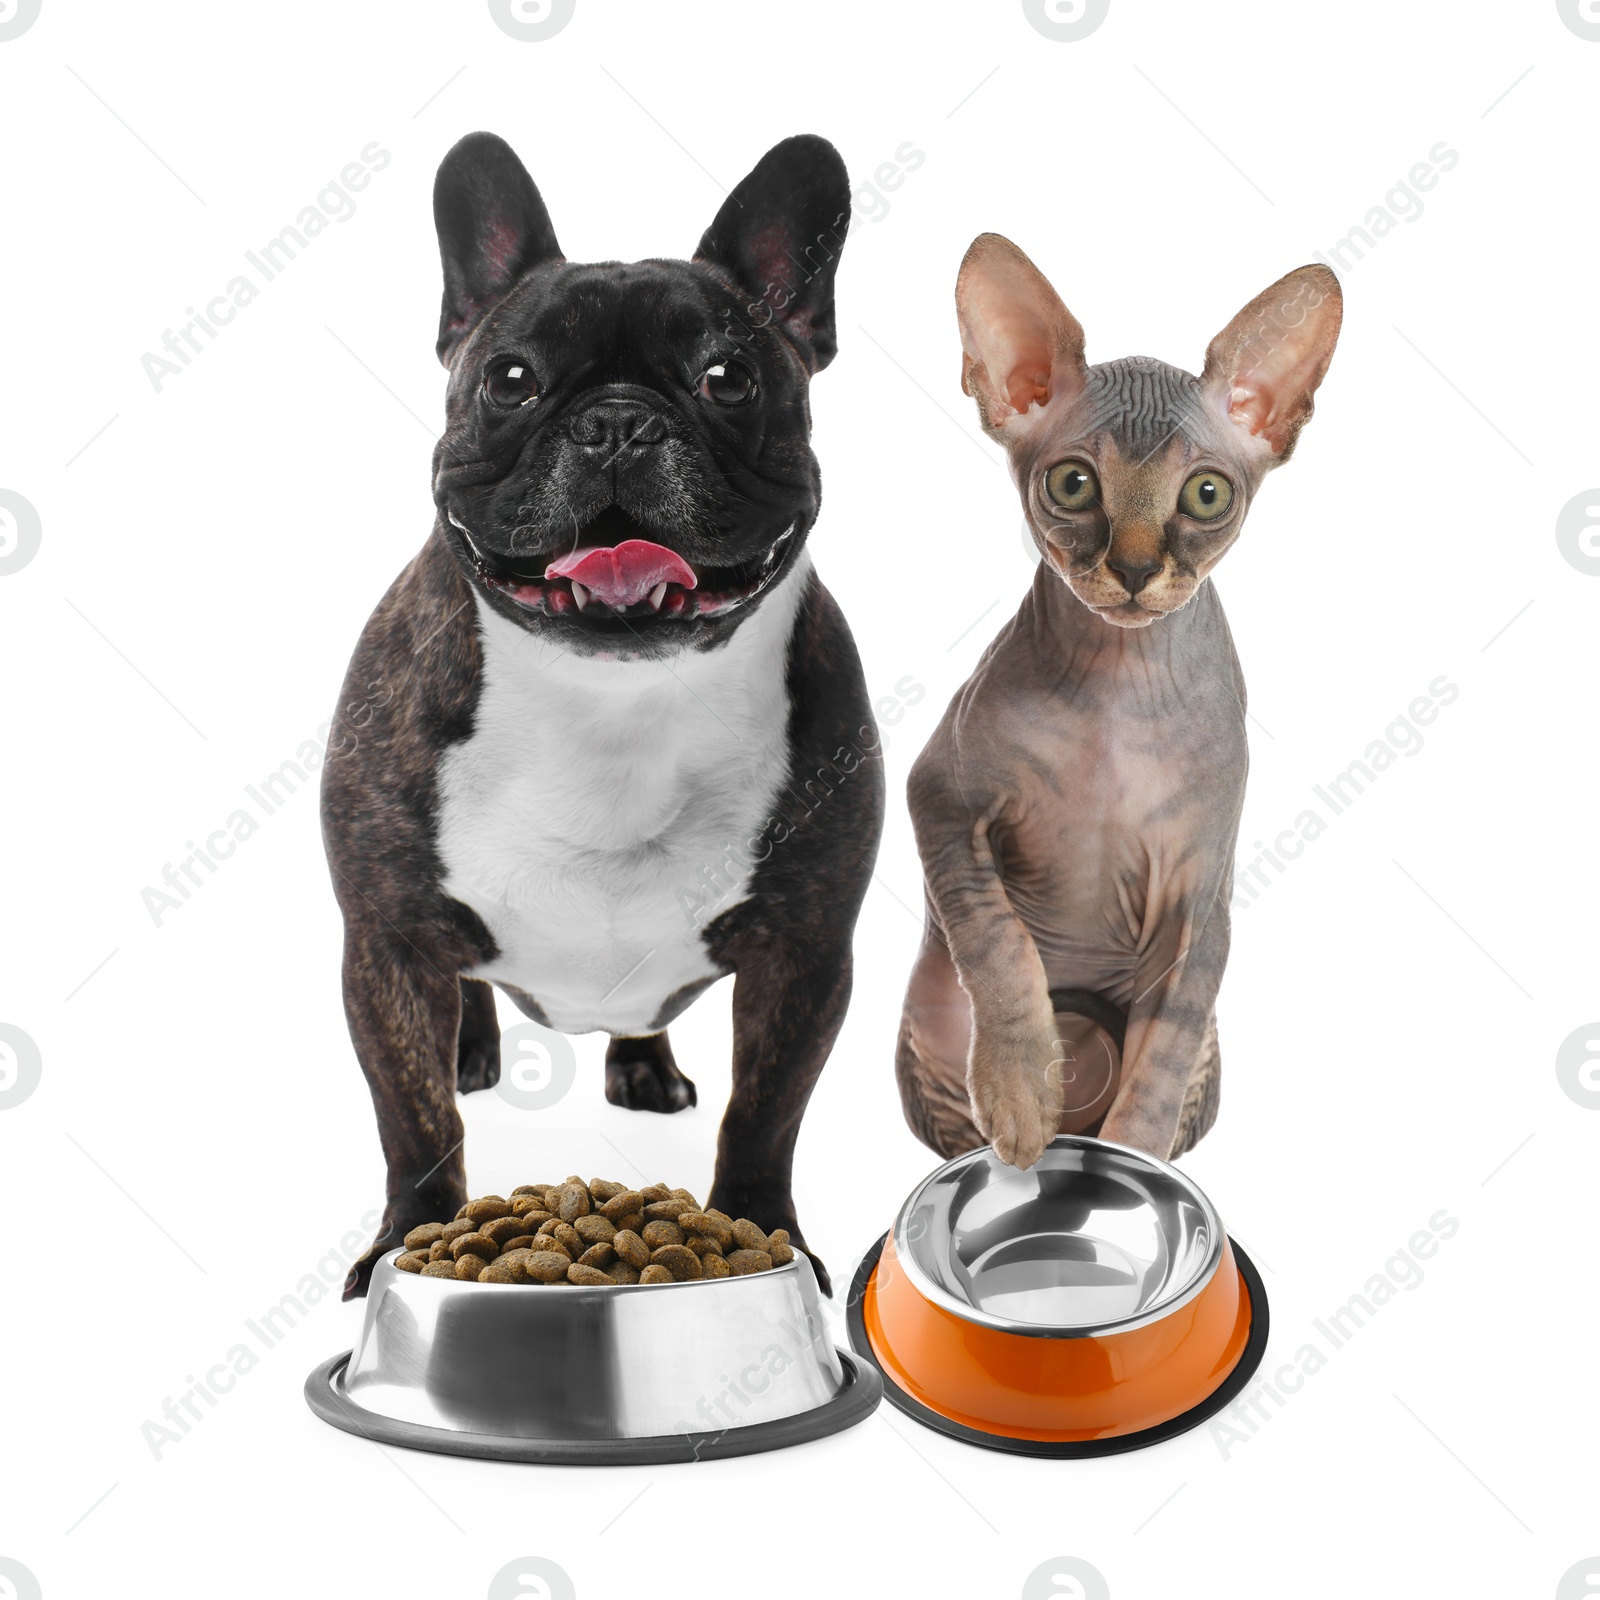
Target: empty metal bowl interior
1095, 1238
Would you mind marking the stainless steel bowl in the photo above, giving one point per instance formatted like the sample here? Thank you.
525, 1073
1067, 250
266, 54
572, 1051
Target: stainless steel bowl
1089, 1305
641, 1372
1094, 1239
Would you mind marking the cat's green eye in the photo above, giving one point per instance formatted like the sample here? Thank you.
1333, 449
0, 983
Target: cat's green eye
1205, 497
1072, 485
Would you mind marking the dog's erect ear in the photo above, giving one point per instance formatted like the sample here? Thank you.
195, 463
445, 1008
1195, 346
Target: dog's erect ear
1264, 367
778, 236
493, 227
1019, 343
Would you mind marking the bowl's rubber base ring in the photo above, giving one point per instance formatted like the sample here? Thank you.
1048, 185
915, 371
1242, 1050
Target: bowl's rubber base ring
1071, 1449
856, 1400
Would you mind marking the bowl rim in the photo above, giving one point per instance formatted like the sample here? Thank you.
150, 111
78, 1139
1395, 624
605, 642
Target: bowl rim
1224, 1395
938, 1295
586, 1290
855, 1400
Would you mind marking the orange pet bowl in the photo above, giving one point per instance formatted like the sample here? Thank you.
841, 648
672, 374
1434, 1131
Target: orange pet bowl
1089, 1305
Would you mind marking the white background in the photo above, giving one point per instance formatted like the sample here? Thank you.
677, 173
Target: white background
1394, 1003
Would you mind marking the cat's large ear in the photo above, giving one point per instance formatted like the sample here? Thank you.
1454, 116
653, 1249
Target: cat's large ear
1019, 343
778, 236
1264, 367
493, 228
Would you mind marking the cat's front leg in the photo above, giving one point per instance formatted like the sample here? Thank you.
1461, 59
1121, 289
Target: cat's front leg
1013, 1077
1174, 994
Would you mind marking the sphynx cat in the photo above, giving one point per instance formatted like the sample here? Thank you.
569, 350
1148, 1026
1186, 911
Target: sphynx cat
1077, 808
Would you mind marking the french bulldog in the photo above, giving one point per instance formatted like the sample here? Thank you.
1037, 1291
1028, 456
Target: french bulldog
606, 739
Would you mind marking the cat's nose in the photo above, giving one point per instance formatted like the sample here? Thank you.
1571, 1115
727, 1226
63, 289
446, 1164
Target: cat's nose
1134, 574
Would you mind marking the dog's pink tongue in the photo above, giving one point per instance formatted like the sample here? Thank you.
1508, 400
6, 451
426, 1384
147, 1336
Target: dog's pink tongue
623, 574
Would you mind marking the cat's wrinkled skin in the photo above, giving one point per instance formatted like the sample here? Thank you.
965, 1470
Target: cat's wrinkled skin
1076, 810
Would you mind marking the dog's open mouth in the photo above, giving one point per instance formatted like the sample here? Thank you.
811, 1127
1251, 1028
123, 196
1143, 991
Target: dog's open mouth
605, 578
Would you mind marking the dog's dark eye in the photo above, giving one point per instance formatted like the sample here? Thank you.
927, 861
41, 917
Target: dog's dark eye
727, 384
510, 383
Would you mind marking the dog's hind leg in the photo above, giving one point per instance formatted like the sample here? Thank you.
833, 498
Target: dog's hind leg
478, 1042
642, 1075
1204, 1094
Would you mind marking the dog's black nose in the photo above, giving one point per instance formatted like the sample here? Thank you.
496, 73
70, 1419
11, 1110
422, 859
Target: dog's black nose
1134, 574
611, 427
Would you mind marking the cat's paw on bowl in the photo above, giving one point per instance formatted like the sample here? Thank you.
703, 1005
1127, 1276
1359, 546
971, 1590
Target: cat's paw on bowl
1016, 1097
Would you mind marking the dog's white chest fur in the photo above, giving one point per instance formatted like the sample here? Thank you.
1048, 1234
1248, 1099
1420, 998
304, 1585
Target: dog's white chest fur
602, 813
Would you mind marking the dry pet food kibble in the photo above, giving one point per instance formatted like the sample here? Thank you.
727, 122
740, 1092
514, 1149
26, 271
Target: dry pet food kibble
631, 1248
660, 1232
595, 1229
596, 1234
568, 1238
749, 1236
548, 1266
679, 1260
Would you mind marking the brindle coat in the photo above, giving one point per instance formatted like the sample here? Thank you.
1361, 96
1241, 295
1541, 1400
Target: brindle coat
514, 484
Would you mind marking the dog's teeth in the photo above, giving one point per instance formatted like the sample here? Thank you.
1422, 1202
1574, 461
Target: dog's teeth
580, 594
657, 595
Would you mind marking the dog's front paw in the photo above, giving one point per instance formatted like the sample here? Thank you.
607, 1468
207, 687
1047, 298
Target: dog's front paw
824, 1282
433, 1204
360, 1276
391, 1232
1015, 1087
769, 1211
